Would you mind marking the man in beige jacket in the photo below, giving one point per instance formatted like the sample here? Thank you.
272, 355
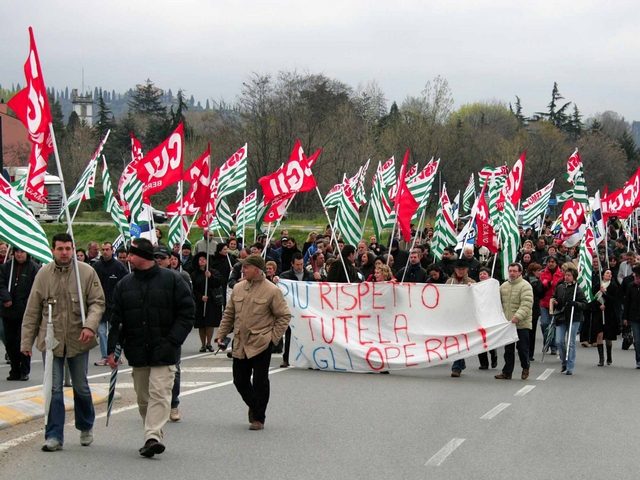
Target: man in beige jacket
259, 316
56, 285
517, 301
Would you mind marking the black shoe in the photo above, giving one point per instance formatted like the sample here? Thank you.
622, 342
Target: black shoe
24, 378
569, 373
210, 348
151, 448
229, 355
564, 369
484, 367
494, 362
13, 377
203, 349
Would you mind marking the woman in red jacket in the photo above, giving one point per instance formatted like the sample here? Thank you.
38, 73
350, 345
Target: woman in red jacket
549, 277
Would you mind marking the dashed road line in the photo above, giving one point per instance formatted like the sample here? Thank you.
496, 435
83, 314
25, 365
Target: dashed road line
524, 390
546, 374
494, 411
444, 452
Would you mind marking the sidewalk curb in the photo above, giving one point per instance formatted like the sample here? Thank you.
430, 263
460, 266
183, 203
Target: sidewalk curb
28, 404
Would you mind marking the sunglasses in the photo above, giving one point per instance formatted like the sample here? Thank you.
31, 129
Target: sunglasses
160, 257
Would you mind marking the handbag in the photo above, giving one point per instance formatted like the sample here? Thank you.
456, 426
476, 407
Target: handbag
218, 297
627, 337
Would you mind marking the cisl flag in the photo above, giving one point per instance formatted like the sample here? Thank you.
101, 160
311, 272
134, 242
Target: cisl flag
163, 165
294, 177
31, 106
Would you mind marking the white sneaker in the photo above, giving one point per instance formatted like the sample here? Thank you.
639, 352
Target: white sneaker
174, 416
86, 438
52, 445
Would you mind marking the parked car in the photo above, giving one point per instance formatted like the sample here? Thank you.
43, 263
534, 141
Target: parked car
159, 216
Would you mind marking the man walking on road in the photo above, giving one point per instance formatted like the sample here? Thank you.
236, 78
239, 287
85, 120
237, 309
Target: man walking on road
110, 271
16, 280
56, 284
259, 316
517, 301
153, 313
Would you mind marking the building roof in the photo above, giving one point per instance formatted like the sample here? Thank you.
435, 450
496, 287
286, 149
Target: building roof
16, 147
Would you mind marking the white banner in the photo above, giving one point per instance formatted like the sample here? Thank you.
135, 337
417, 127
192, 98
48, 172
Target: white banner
374, 327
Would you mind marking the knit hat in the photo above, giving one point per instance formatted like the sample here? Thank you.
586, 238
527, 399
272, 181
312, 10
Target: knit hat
143, 250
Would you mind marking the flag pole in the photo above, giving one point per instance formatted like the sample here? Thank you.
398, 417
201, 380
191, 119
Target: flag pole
69, 227
366, 215
415, 237
244, 218
331, 225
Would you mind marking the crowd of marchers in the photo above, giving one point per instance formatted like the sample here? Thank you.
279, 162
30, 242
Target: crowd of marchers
147, 298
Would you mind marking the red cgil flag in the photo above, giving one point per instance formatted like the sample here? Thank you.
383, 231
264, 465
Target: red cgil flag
31, 106
163, 165
513, 185
294, 177
486, 236
405, 203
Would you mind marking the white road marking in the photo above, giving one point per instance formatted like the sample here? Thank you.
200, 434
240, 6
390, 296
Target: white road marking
25, 438
494, 411
444, 452
524, 390
546, 374
206, 369
130, 385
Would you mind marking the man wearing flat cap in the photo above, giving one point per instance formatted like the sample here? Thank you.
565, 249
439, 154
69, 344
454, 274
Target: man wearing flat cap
259, 316
460, 277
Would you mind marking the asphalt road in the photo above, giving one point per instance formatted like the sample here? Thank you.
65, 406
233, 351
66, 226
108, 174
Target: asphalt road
356, 426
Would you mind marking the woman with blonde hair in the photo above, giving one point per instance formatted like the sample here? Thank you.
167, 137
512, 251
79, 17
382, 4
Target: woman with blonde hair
382, 273
311, 239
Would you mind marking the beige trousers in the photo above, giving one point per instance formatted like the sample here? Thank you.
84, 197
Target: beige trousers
153, 388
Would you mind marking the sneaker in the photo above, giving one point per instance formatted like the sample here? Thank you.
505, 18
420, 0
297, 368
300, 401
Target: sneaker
502, 376
101, 363
174, 416
52, 445
256, 426
151, 448
525, 373
86, 438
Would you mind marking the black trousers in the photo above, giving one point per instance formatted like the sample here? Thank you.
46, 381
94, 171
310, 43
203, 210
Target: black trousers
287, 345
20, 363
175, 391
255, 394
484, 358
523, 352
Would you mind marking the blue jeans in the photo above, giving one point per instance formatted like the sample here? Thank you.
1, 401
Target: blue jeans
561, 333
103, 331
545, 321
83, 409
635, 327
458, 366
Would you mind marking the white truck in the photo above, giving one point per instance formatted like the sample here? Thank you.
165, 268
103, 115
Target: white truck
44, 212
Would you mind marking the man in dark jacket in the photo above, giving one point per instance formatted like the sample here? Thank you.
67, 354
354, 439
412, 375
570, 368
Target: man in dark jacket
110, 271
631, 315
345, 262
297, 273
153, 313
16, 280
448, 260
414, 273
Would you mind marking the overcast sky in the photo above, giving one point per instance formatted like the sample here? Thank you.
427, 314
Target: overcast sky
485, 49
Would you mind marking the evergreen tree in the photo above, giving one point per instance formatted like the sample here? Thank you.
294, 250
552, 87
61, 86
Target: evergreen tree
104, 121
57, 118
192, 101
169, 96
207, 107
146, 101
518, 112
113, 96
66, 93
73, 123
628, 144
555, 115
574, 125
596, 126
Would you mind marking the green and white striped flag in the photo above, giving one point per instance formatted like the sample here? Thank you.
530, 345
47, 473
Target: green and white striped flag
247, 210
495, 187
585, 264
444, 234
469, 194
85, 189
388, 172
19, 227
359, 192
537, 204
233, 175
179, 225
380, 203
223, 219
509, 236
564, 196
486, 173
580, 187
420, 186
20, 186
112, 206
332, 200
348, 218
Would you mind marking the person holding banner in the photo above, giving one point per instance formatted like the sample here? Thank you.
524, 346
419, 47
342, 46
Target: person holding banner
460, 277
517, 302
568, 299
259, 316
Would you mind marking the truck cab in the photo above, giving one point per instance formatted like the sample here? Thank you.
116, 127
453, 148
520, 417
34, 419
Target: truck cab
44, 212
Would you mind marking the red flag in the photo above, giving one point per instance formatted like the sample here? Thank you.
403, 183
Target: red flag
573, 216
198, 175
209, 210
277, 210
513, 185
294, 177
136, 148
486, 236
405, 204
482, 209
31, 106
163, 165
621, 203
